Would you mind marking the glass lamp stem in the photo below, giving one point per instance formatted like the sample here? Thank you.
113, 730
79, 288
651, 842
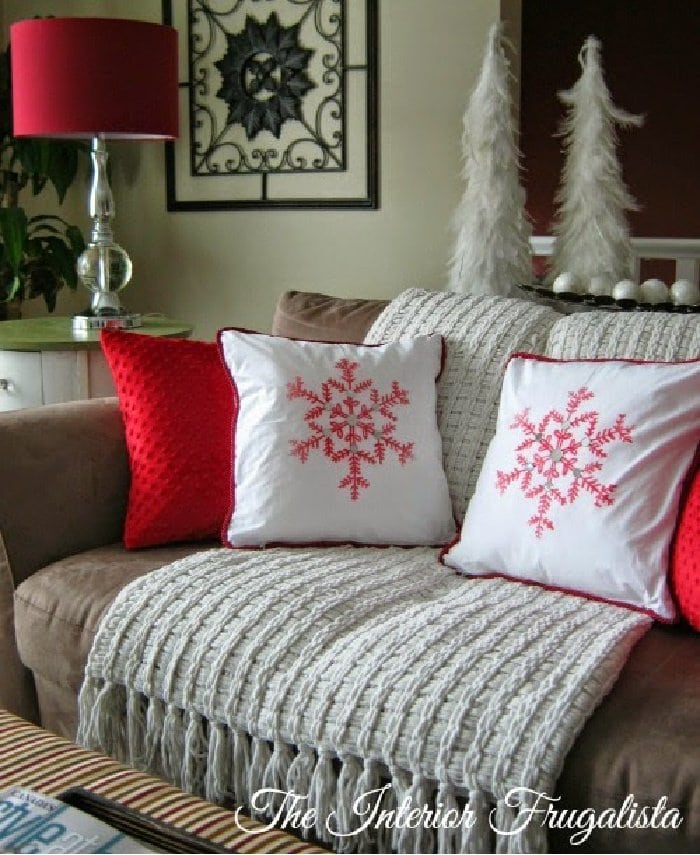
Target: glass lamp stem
101, 199
102, 210
104, 267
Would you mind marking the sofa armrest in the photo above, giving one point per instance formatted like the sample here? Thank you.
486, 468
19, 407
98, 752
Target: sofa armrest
64, 478
64, 473
17, 690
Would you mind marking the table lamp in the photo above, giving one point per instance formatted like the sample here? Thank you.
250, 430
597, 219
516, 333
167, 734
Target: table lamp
99, 78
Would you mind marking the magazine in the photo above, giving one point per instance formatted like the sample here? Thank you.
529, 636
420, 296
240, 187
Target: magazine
31, 822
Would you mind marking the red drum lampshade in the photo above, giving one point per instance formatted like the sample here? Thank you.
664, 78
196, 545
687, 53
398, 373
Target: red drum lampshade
82, 77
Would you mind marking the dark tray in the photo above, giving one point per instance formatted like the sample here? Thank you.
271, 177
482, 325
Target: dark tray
587, 300
151, 832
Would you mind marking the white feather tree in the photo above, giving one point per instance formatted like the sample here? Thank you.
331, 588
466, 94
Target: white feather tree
492, 251
591, 229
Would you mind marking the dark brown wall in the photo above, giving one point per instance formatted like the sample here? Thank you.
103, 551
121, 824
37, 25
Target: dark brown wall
651, 61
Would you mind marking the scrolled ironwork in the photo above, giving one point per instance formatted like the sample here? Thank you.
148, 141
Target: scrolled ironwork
251, 75
266, 89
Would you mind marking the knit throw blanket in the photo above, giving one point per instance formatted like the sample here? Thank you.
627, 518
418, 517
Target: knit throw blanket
367, 680
481, 333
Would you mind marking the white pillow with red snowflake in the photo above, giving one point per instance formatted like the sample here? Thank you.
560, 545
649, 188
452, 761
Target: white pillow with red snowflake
580, 486
336, 442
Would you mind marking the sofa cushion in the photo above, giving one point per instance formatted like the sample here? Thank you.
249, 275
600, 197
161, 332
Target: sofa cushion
318, 317
642, 740
57, 610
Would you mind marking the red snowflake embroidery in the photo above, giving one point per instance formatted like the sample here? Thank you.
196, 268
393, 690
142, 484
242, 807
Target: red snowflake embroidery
559, 458
350, 420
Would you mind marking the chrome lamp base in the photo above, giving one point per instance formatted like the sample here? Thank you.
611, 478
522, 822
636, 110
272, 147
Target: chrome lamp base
121, 321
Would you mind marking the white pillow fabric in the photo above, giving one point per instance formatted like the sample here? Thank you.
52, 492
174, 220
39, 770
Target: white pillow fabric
581, 483
336, 442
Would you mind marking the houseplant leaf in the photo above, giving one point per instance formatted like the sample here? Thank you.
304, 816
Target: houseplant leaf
13, 229
37, 255
58, 256
42, 280
33, 156
75, 239
5, 111
45, 223
62, 166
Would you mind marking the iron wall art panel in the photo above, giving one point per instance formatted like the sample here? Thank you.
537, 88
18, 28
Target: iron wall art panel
278, 105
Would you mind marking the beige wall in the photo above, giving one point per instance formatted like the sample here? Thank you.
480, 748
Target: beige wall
217, 268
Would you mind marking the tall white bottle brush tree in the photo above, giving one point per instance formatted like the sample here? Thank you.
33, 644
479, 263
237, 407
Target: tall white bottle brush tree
491, 250
590, 227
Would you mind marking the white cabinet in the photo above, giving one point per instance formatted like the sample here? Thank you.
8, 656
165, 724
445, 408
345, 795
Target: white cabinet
20, 380
30, 379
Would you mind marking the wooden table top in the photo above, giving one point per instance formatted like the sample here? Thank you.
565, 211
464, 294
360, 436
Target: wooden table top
56, 333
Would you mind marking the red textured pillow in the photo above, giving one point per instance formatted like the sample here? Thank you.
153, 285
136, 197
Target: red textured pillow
177, 403
685, 558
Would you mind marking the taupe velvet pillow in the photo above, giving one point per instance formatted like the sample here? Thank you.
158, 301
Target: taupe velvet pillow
318, 317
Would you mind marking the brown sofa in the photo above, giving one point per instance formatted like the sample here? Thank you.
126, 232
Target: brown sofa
63, 487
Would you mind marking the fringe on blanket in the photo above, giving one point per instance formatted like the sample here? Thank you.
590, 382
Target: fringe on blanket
352, 806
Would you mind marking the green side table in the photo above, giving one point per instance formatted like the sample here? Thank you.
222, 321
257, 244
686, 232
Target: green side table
42, 361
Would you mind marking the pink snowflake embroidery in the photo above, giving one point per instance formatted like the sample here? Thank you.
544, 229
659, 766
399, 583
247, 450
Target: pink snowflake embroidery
558, 459
350, 420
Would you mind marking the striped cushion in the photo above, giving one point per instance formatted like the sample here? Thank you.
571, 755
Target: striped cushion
33, 758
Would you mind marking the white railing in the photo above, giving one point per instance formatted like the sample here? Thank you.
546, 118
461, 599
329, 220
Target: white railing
685, 252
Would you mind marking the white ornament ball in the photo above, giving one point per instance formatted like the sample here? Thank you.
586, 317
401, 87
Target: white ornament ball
601, 285
654, 291
685, 293
625, 289
566, 283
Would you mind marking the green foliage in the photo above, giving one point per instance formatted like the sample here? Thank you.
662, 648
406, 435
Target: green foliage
37, 254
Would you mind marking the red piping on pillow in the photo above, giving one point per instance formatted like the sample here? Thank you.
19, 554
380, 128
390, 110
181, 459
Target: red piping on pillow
576, 593
536, 357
